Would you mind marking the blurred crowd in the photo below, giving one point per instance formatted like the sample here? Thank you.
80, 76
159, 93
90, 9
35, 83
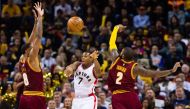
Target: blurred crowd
157, 30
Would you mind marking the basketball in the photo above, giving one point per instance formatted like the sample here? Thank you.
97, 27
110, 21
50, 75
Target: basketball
75, 24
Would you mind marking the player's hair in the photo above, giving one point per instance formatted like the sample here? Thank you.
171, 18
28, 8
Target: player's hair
25, 47
128, 54
180, 105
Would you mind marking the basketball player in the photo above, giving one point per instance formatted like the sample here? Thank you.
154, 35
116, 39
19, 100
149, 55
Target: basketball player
18, 80
33, 96
85, 74
123, 72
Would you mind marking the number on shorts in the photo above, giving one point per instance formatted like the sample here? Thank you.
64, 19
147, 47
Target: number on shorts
119, 78
80, 80
26, 82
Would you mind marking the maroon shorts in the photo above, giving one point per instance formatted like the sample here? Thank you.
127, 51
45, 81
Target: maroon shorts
128, 100
32, 102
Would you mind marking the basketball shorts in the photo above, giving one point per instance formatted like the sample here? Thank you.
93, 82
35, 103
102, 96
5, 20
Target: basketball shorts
32, 102
128, 100
89, 102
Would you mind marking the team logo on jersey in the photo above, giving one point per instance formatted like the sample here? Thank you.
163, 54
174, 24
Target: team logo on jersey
23, 69
83, 75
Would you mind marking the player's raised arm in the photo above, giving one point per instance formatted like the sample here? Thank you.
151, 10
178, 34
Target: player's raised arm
37, 42
112, 42
139, 70
32, 35
95, 55
69, 70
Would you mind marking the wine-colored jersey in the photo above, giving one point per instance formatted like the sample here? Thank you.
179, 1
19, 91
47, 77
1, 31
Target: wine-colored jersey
33, 94
120, 78
33, 80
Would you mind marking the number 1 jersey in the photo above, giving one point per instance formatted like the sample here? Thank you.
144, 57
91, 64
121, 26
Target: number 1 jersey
84, 81
120, 78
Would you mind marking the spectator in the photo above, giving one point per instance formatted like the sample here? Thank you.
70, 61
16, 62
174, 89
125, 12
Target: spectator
3, 43
173, 23
68, 47
64, 6
107, 14
78, 8
145, 104
48, 61
178, 83
180, 43
5, 67
90, 18
16, 35
178, 13
179, 106
188, 52
67, 103
110, 106
186, 29
186, 84
156, 59
172, 55
103, 37
100, 105
61, 60
185, 69
57, 99
150, 96
180, 97
158, 14
51, 104
157, 33
168, 103
66, 91
60, 19
11, 10
141, 20
103, 101
27, 8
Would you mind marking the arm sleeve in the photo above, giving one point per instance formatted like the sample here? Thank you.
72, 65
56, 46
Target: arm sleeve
112, 44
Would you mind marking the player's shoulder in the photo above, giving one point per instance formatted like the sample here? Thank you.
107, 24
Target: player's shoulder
115, 62
22, 59
77, 64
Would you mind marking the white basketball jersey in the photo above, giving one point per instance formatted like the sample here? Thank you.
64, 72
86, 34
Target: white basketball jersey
84, 81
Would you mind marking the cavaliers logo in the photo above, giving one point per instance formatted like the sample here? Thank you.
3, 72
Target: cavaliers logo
23, 69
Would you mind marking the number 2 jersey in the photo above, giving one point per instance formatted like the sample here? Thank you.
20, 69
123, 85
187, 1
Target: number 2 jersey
84, 81
120, 78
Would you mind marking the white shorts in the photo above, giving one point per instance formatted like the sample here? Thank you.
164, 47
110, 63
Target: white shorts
85, 103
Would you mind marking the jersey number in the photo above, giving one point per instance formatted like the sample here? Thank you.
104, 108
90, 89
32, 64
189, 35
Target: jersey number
80, 80
119, 78
26, 83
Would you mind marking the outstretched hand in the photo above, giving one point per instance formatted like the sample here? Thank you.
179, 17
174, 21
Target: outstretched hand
38, 8
68, 72
121, 28
176, 66
95, 54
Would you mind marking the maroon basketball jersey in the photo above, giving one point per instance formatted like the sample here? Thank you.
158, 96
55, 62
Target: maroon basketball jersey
33, 80
120, 76
21, 88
